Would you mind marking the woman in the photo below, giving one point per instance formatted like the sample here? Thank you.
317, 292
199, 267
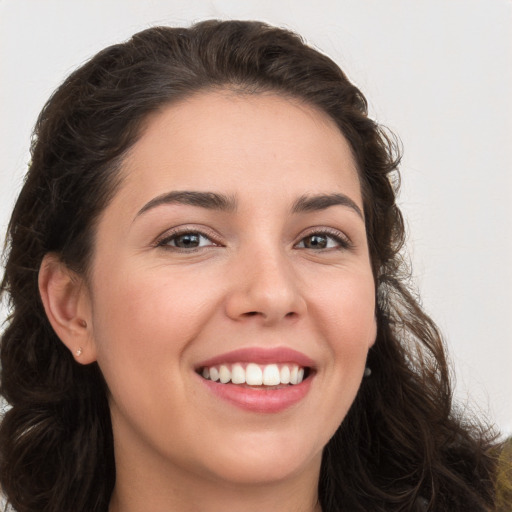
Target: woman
209, 307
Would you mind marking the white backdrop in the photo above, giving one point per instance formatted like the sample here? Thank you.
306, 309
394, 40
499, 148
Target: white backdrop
437, 72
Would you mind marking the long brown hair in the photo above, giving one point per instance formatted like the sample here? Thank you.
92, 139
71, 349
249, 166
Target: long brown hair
402, 446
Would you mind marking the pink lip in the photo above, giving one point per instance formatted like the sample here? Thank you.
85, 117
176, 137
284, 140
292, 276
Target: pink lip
260, 356
262, 400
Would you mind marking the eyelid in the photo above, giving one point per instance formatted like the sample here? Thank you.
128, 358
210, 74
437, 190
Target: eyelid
183, 230
343, 239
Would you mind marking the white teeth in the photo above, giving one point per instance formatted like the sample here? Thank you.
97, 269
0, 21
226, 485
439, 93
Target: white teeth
214, 374
285, 375
224, 374
254, 374
293, 374
271, 375
237, 374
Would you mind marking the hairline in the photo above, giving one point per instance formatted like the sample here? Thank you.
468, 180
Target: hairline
116, 168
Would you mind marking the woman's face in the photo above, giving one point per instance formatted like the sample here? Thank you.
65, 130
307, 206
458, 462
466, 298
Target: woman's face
236, 248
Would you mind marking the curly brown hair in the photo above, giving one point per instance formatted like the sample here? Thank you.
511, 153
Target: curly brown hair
402, 447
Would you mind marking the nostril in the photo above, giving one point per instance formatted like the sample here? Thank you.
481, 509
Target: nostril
248, 314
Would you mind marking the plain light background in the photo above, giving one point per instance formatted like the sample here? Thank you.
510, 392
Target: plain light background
437, 72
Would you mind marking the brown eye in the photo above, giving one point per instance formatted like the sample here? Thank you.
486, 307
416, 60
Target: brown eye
189, 240
315, 242
319, 241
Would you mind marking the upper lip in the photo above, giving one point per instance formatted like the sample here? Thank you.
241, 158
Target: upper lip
260, 355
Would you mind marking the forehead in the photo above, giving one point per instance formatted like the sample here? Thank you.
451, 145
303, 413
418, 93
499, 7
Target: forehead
239, 142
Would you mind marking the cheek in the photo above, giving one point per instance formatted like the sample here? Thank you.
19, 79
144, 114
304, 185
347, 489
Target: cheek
345, 315
348, 310
349, 323
145, 314
142, 326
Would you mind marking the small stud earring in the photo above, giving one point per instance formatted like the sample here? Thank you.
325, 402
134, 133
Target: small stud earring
78, 352
367, 371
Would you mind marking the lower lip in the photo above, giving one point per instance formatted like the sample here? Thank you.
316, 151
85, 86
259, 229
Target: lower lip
260, 399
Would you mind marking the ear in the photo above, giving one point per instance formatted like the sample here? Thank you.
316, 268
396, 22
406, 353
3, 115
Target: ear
66, 301
373, 333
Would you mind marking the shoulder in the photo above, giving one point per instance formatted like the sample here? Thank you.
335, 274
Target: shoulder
504, 478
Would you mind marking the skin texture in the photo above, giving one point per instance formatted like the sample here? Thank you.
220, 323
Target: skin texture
150, 313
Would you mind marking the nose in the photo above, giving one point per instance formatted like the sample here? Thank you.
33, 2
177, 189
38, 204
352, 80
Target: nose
264, 287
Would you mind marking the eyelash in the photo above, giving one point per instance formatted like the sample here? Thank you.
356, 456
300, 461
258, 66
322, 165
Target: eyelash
164, 242
342, 241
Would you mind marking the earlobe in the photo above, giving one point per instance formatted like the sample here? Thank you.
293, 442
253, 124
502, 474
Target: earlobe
66, 302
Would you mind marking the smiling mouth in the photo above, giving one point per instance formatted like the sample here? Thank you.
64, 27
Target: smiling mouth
252, 374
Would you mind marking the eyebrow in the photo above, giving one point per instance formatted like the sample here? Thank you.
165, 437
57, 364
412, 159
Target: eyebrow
221, 202
208, 200
307, 203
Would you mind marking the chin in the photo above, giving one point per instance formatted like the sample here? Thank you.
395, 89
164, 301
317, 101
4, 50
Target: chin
267, 472
266, 462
